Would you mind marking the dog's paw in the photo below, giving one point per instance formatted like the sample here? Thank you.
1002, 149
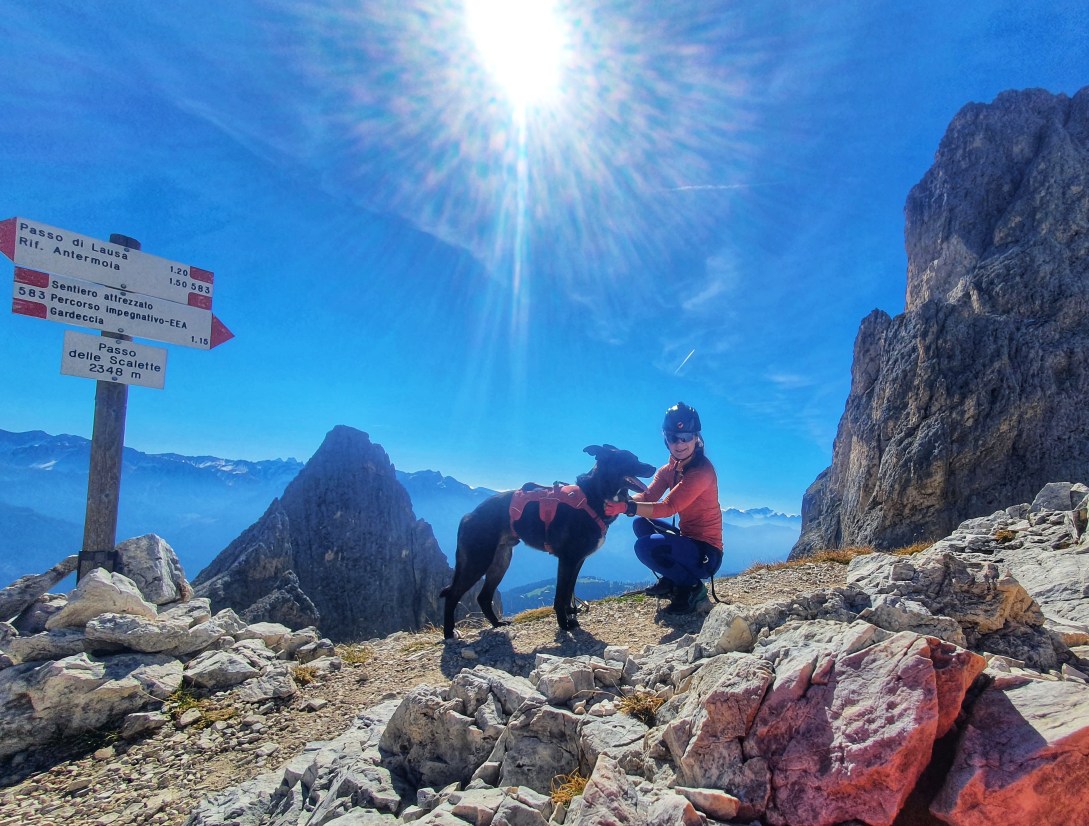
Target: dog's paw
501, 623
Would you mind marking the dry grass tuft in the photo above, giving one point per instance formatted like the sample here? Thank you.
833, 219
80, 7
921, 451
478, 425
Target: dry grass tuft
423, 639
355, 653
213, 715
840, 556
416, 646
566, 787
304, 674
181, 701
532, 614
911, 550
642, 705
1004, 535
184, 699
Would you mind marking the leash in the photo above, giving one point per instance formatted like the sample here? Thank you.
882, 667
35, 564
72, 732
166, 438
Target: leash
714, 594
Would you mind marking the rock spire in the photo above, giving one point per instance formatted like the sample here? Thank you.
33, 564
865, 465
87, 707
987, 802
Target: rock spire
346, 531
978, 393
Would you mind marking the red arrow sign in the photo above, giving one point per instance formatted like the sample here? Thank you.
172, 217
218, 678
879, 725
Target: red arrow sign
220, 333
86, 304
37, 246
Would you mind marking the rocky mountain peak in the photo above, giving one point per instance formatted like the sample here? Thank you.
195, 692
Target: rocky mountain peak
1007, 175
977, 394
346, 529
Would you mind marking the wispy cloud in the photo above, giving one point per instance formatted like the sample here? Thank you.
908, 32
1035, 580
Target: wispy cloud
790, 381
708, 187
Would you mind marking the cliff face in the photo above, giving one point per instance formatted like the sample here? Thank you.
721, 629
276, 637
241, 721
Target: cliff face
346, 529
978, 394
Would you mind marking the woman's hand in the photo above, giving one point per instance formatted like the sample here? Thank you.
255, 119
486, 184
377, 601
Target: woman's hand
615, 508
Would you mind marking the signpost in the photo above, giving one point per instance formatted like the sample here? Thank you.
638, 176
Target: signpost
114, 287
36, 246
84, 304
113, 360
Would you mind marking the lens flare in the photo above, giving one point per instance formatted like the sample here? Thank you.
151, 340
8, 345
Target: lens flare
593, 157
522, 45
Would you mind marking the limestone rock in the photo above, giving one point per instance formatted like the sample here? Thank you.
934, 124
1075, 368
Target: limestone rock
34, 617
274, 683
138, 633
712, 802
709, 724
22, 593
737, 627
559, 680
206, 633
101, 592
1024, 753
540, 742
152, 564
618, 736
896, 613
287, 604
850, 721
436, 743
196, 610
345, 528
272, 634
41, 701
978, 394
610, 797
141, 722
219, 669
48, 645
1059, 496
991, 607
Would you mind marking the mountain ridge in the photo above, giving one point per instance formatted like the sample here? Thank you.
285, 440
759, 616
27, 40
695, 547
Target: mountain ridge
47, 475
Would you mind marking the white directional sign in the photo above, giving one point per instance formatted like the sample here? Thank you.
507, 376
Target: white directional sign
84, 304
114, 360
38, 246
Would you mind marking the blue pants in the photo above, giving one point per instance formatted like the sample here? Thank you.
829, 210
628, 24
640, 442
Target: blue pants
683, 560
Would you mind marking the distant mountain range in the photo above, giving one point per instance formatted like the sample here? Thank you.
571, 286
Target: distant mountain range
200, 504
197, 503
541, 594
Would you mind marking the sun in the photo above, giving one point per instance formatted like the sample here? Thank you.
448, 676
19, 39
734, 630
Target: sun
522, 44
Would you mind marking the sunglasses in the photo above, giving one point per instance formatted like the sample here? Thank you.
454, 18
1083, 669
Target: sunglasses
683, 438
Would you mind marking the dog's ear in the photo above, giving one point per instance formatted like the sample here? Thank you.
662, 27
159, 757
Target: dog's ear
593, 450
610, 447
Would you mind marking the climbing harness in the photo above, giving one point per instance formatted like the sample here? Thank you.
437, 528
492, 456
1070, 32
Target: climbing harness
549, 500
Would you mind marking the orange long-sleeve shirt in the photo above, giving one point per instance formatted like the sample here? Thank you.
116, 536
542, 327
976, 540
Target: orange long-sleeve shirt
693, 494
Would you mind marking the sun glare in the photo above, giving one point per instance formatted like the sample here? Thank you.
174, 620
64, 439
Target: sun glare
521, 42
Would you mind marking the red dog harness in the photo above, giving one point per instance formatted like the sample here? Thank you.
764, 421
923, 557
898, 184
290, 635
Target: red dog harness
549, 499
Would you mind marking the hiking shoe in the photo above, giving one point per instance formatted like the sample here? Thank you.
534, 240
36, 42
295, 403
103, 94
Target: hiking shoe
662, 588
686, 598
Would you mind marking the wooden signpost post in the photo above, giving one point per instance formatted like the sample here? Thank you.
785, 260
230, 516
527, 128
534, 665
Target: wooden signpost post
114, 287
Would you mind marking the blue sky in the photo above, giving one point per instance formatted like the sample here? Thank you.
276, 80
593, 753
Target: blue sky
705, 209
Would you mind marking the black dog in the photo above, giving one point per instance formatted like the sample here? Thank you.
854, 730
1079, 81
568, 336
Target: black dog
568, 521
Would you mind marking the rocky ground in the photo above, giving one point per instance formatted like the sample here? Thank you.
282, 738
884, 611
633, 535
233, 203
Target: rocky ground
159, 779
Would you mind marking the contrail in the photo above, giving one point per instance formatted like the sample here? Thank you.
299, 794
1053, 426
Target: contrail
683, 363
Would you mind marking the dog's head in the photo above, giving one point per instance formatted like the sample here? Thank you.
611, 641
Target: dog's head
618, 470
